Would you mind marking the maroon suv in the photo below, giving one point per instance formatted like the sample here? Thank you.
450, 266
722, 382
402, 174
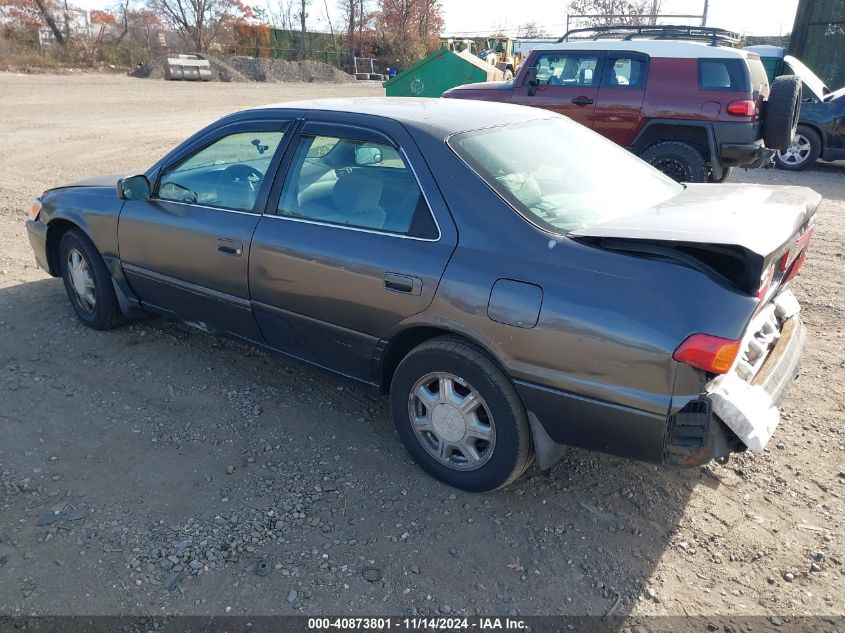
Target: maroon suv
691, 109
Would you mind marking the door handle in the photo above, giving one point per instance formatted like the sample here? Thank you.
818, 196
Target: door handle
582, 100
230, 247
402, 283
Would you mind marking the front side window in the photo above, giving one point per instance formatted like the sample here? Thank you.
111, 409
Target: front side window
567, 69
560, 175
355, 183
625, 72
227, 174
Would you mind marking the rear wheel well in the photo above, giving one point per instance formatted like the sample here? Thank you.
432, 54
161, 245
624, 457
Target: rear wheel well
401, 344
691, 134
55, 230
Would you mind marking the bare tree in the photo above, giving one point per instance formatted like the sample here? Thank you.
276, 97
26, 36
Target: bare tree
610, 12
303, 31
532, 30
280, 14
198, 21
51, 21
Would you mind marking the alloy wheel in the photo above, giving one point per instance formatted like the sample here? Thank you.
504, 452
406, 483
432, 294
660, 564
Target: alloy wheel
452, 421
81, 280
797, 152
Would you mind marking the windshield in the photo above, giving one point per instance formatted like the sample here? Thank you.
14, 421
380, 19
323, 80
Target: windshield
560, 175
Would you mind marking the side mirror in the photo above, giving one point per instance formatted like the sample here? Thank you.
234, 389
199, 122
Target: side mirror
531, 80
134, 188
368, 155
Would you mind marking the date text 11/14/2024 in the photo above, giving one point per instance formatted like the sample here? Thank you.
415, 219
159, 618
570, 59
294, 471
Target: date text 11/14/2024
416, 624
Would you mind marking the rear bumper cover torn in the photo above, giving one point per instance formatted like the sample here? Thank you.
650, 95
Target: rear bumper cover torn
749, 407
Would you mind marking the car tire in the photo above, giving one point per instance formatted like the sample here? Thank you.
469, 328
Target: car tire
431, 385
781, 113
805, 149
88, 282
680, 161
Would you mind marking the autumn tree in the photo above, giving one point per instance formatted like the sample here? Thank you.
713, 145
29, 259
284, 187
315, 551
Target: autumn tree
199, 21
408, 29
31, 15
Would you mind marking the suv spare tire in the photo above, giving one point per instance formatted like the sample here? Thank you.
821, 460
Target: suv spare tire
781, 114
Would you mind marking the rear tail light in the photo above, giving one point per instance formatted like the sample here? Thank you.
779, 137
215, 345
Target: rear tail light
743, 107
793, 268
765, 282
796, 267
710, 353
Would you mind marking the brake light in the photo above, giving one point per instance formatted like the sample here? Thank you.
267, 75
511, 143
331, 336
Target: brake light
796, 267
765, 282
744, 107
710, 353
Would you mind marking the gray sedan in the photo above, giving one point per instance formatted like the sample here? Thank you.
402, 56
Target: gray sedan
514, 282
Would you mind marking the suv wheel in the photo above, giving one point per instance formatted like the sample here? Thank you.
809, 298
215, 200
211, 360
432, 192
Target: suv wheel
459, 416
782, 110
88, 282
805, 150
680, 161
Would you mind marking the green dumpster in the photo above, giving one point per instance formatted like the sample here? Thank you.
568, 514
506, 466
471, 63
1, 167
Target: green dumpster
443, 69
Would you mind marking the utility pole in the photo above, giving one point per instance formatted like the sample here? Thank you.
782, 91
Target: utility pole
704, 14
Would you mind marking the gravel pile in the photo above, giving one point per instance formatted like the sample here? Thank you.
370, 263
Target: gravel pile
262, 69
154, 69
242, 69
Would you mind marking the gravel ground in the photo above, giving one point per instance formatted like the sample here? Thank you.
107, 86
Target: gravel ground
154, 469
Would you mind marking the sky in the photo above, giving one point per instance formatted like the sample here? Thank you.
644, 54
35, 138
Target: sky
748, 17
482, 17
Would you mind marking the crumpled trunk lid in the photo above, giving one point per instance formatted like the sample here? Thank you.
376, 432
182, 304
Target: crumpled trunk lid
732, 231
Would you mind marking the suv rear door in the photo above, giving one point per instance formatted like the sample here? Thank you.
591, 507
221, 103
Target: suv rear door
620, 96
567, 83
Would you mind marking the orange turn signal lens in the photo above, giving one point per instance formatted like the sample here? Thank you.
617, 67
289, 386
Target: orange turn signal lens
35, 209
710, 353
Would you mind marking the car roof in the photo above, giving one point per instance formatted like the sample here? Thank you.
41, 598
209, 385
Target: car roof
441, 117
653, 48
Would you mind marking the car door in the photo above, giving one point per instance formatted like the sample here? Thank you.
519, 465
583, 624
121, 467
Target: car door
355, 239
185, 250
567, 83
620, 96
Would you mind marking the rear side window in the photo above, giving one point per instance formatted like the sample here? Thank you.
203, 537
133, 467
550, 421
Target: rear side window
625, 71
723, 74
359, 184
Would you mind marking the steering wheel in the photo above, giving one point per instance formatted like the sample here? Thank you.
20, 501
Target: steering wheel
237, 186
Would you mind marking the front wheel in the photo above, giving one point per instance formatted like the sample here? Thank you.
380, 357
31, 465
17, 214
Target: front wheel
459, 416
680, 161
88, 282
805, 149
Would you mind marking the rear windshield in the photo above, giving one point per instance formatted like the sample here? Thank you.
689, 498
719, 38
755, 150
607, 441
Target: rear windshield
723, 74
560, 175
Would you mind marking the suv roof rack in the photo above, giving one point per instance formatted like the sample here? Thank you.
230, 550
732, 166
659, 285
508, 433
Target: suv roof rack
657, 32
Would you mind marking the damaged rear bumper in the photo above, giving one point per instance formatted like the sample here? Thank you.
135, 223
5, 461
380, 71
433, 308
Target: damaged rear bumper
746, 398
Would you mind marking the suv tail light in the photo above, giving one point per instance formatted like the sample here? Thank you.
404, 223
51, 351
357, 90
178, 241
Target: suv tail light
744, 107
710, 353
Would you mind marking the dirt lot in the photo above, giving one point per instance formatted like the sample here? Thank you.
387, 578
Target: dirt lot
114, 492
